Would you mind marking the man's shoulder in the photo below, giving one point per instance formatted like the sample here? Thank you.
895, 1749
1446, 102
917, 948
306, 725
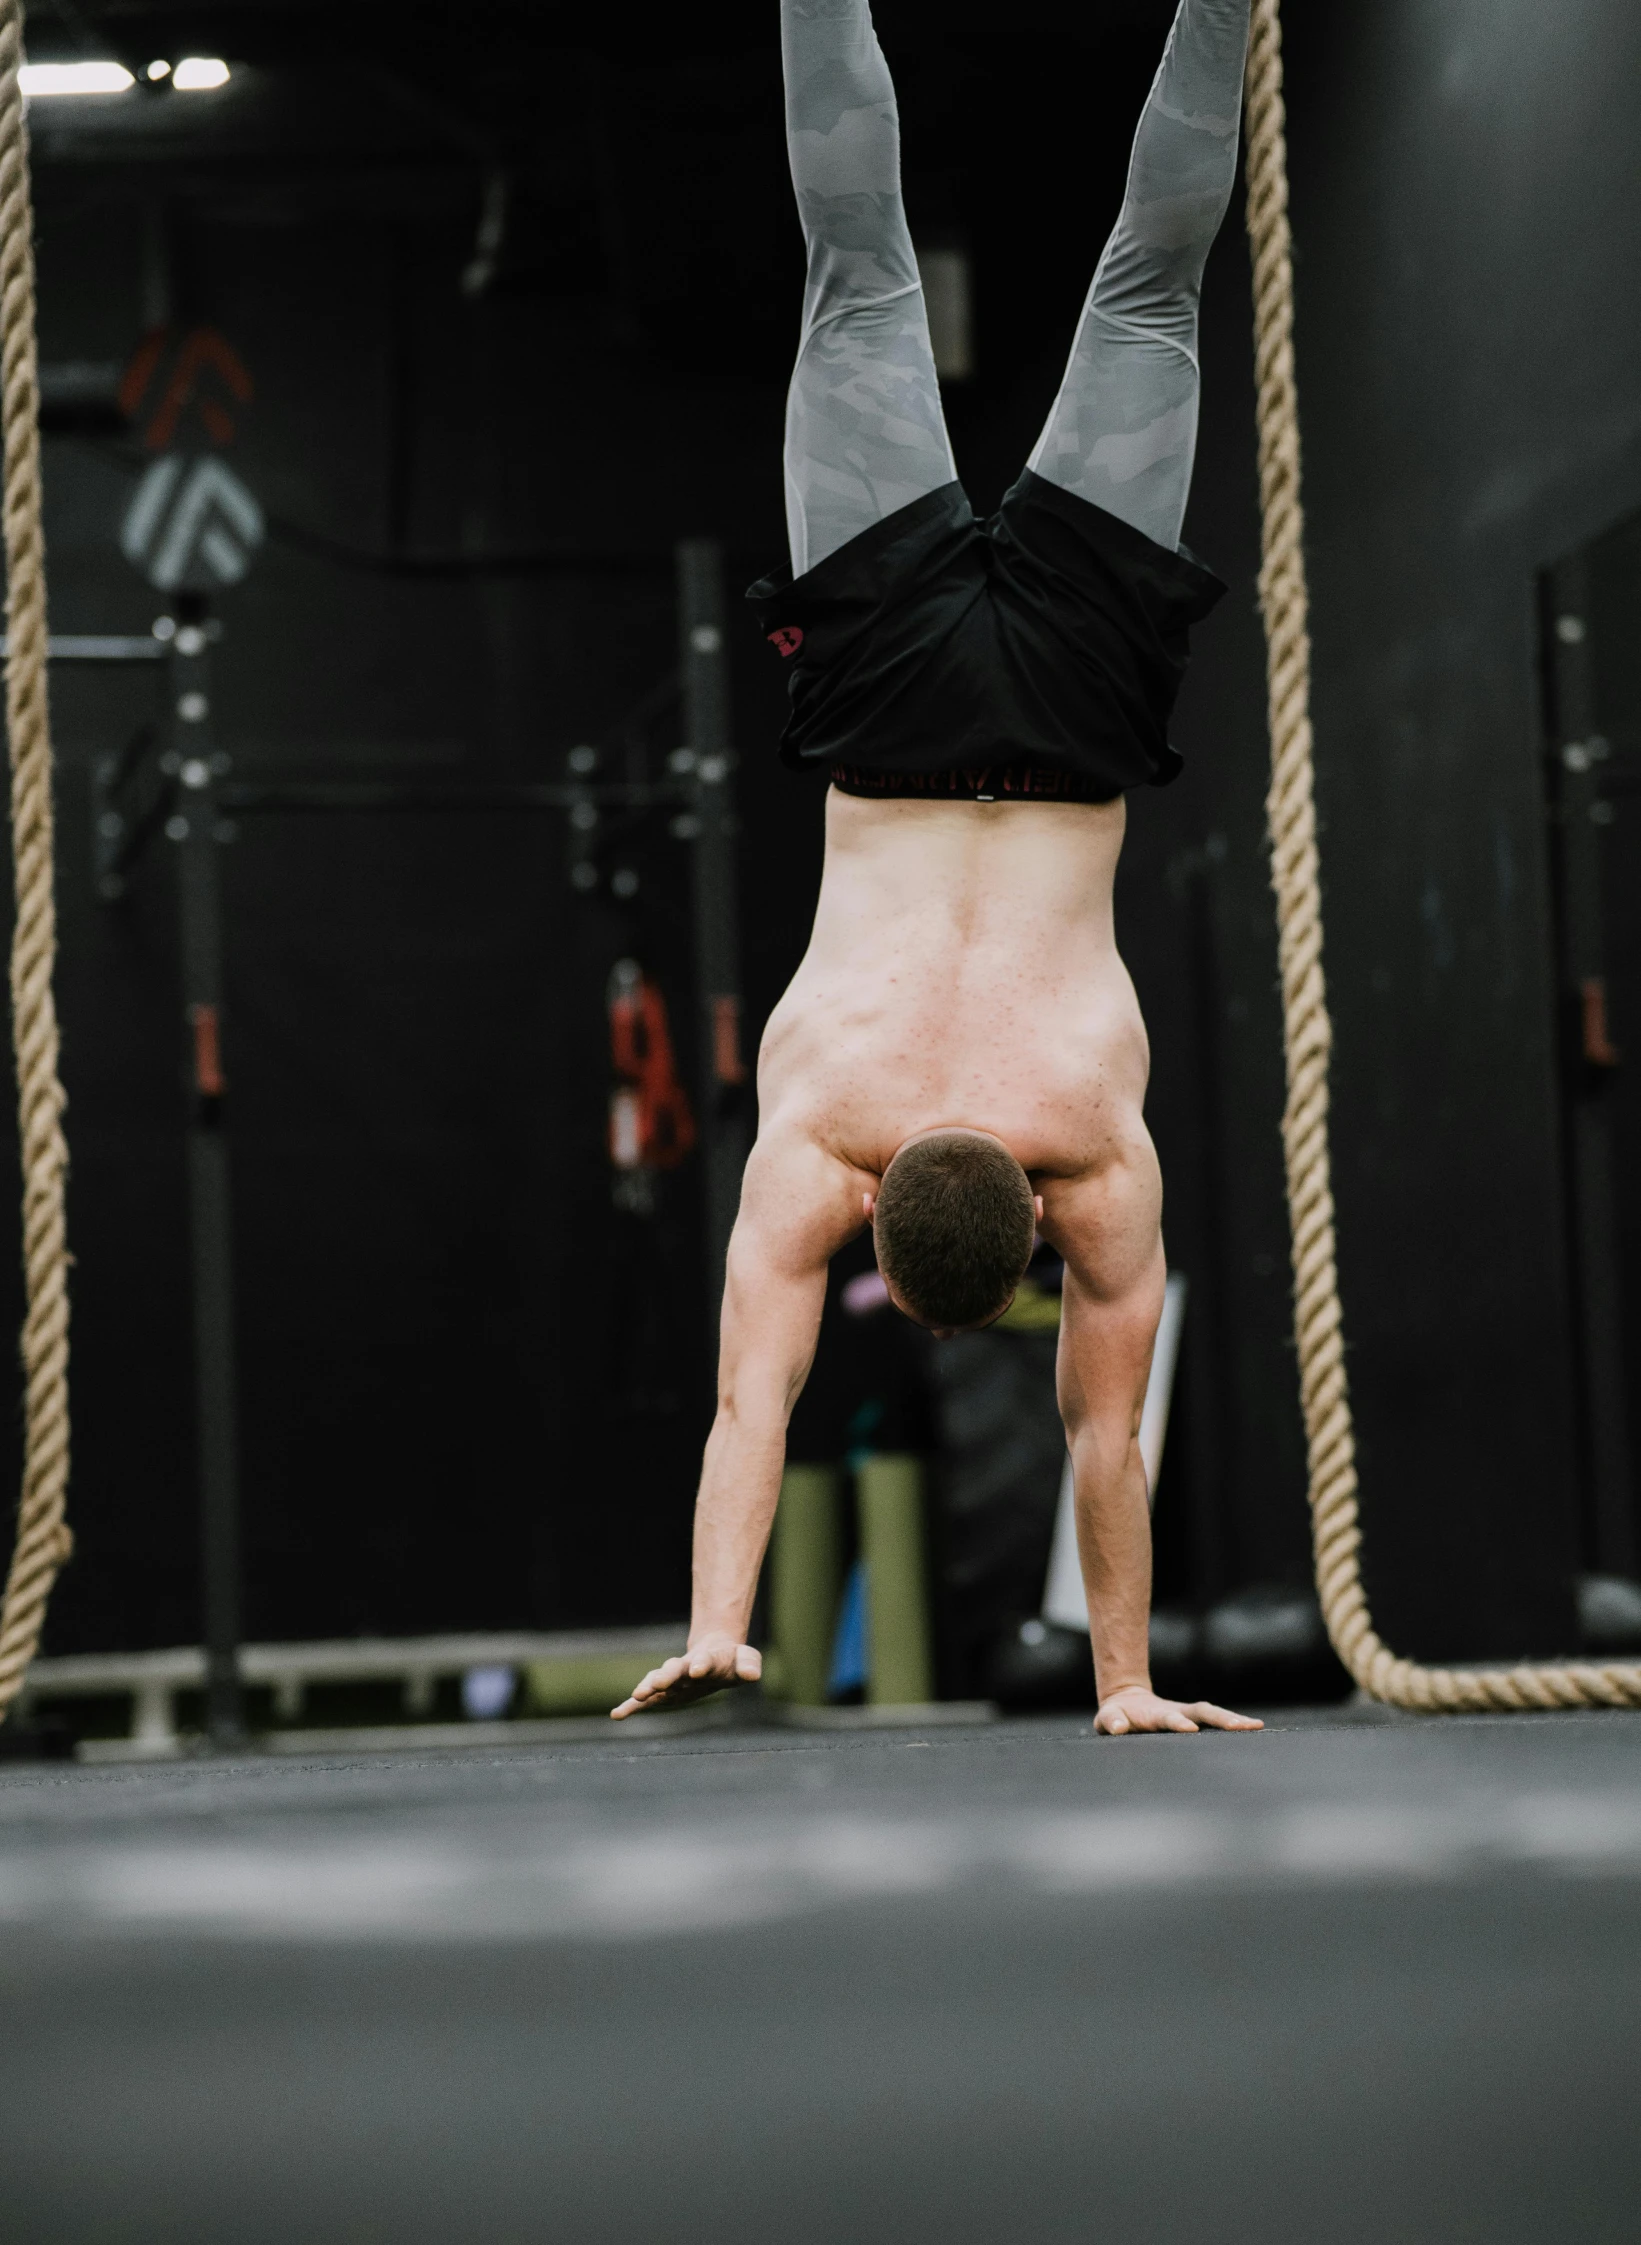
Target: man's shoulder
794, 1152
800, 1189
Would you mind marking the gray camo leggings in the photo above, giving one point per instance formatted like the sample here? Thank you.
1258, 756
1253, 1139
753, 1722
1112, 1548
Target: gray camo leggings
864, 430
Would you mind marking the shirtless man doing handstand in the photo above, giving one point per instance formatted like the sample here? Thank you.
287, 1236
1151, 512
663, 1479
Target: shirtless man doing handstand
960, 1060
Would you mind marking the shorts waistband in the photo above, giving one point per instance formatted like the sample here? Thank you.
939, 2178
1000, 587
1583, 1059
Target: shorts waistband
995, 783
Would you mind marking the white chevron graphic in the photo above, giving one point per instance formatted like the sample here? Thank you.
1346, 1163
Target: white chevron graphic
191, 522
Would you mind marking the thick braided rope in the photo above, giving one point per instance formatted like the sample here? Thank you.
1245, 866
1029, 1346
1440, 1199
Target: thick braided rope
1307, 1029
43, 1541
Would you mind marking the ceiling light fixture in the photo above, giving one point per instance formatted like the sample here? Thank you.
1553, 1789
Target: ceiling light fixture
156, 71
199, 74
40, 79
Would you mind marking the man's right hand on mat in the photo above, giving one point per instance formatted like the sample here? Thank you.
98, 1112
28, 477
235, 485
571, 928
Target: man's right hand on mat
705, 1668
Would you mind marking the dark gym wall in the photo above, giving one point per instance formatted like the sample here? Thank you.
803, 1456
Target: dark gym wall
471, 1394
445, 1421
1466, 198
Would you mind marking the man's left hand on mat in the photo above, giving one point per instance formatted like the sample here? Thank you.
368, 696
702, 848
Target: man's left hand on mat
1139, 1710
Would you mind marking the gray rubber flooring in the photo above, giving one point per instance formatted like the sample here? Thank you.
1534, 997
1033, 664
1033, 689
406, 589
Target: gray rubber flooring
1341, 1981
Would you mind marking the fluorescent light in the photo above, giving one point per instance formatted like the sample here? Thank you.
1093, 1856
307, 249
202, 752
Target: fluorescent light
38, 78
198, 74
156, 71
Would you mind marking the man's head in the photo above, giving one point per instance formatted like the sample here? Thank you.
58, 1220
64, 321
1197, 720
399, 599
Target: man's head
954, 1221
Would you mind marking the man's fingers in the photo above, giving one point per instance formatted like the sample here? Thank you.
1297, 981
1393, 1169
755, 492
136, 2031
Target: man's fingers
644, 1693
648, 1690
688, 1676
646, 1698
1222, 1719
1153, 1714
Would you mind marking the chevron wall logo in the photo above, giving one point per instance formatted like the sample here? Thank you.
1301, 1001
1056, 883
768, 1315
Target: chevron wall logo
191, 525
176, 378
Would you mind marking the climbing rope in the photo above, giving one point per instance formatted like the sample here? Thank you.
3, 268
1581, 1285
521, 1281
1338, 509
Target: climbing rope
1307, 1029
43, 1540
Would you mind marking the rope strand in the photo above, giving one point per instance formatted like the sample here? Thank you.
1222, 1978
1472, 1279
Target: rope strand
1307, 1028
43, 1539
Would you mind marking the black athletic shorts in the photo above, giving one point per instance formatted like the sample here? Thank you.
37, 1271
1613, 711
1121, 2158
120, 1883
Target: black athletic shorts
1037, 654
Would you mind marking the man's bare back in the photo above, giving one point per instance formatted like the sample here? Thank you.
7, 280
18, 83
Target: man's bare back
962, 970
962, 974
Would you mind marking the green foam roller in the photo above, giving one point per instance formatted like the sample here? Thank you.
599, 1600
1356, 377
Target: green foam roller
589, 1686
900, 1668
805, 1575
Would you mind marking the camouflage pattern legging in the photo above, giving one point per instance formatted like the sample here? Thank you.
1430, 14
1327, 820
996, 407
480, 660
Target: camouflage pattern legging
864, 429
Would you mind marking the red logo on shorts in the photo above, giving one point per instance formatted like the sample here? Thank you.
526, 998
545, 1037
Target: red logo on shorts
788, 639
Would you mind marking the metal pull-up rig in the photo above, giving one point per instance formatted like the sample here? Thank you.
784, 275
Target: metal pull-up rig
174, 779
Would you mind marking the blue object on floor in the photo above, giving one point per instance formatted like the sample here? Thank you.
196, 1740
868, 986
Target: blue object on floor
849, 1645
487, 1693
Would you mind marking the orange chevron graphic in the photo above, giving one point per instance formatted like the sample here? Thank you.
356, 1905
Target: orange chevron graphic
200, 352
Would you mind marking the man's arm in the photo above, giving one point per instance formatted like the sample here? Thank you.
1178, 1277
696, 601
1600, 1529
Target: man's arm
798, 1207
1108, 1229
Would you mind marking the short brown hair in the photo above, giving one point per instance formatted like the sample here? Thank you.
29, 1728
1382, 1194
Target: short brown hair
955, 1226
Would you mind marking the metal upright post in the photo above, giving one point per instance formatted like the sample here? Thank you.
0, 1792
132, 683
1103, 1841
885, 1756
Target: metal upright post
1590, 1062
722, 1071
194, 828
